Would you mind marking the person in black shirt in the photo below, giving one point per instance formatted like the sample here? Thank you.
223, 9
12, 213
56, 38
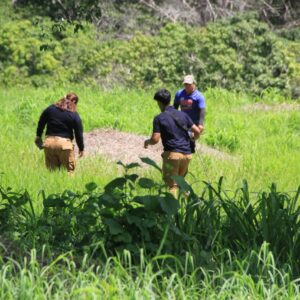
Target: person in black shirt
173, 127
62, 122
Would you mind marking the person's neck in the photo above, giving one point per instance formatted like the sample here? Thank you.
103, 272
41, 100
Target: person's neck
165, 107
192, 91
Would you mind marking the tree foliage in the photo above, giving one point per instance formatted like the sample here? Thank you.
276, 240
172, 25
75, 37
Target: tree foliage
71, 10
276, 12
240, 54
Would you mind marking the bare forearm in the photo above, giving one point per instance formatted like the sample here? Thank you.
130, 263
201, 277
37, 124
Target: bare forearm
201, 116
153, 140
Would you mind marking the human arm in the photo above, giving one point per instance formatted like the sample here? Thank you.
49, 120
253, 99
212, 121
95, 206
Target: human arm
78, 130
155, 137
196, 131
176, 101
202, 111
42, 123
40, 128
201, 119
153, 140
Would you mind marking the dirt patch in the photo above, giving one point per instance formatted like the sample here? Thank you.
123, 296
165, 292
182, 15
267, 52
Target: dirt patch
274, 107
128, 147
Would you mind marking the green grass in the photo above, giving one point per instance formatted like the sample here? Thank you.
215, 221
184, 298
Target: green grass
65, 278
264, 144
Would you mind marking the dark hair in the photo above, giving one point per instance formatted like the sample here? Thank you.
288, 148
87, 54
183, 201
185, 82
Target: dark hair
163, 96
68, 102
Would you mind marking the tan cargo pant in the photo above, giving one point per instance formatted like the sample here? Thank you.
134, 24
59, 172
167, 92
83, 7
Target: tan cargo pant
59, 152
174, 163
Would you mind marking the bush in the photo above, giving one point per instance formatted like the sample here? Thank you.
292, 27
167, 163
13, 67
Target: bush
239, 54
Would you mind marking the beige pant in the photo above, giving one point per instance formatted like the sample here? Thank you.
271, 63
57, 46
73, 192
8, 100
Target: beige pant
59, 152
174, 163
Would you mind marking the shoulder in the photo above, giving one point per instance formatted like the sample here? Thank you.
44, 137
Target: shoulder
158, 117
50, 107
179, 93
76, 115
198, 94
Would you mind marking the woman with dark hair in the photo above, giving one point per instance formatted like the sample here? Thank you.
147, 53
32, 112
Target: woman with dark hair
63, 122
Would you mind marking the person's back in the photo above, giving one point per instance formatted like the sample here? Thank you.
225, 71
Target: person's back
172, 127
174, 138
59, 122
62, 123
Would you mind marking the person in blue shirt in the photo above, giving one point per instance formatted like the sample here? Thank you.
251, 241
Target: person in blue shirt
191, 102
63, 123
172, 127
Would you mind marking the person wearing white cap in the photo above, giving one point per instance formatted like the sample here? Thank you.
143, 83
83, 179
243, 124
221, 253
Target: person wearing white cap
191, 101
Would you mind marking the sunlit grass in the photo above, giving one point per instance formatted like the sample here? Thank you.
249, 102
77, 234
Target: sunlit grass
265, 145
117, 278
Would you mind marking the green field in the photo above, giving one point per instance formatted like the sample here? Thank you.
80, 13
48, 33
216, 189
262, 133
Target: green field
262, 141
259, 138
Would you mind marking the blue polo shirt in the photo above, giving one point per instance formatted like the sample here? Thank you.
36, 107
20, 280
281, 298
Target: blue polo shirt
173, 137
190, 104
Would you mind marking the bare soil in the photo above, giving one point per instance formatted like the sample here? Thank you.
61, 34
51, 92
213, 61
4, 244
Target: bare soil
129, 147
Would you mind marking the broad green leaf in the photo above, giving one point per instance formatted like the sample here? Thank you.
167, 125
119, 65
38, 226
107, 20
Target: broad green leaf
124, 237
121, 164
118, 182
132, 165
183, 185
149, 202
53, 201
169, 205
91, 186
146, 183
114, 227
132, 177
109, 200
148, 161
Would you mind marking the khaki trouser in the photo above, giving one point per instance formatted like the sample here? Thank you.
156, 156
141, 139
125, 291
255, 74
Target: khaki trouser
59, 152
174, 163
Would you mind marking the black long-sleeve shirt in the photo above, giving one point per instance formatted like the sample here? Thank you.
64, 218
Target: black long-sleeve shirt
61, 123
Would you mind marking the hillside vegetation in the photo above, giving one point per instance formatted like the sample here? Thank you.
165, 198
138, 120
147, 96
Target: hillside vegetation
240, 53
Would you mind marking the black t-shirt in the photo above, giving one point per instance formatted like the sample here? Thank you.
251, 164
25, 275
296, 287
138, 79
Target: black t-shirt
174, 138
61, 123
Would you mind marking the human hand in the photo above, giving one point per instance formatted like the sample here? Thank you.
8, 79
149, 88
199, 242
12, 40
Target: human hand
146, 143
81, 154
39, 142
201, 128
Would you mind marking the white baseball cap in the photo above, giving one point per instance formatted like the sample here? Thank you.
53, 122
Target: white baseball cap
189, 79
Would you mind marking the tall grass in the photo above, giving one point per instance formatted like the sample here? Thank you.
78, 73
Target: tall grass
66, 278
231, 245
263, 145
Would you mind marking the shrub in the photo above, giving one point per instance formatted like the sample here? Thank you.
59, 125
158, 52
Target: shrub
239, 54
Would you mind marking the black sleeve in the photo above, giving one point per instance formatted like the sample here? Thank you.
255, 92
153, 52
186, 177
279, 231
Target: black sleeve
42, 122
78, 129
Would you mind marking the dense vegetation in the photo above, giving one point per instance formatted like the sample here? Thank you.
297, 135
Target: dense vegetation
240, 54
243, 242
112, 231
